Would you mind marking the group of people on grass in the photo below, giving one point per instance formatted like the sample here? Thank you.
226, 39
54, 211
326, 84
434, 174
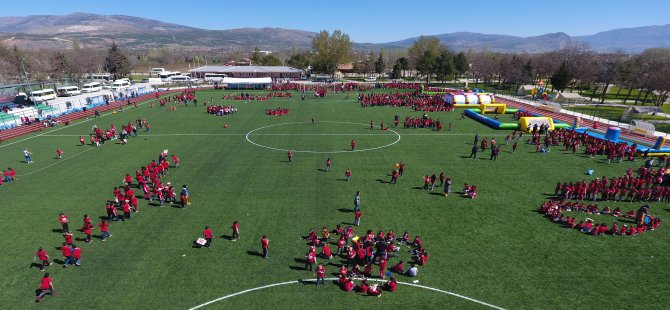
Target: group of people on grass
277, 111
8, 176
423, 122
221, 110
124, 200
647, 185
415, 100
359, 255
640, 221
99, 136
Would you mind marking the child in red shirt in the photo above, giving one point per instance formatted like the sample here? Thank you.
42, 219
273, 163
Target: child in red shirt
320, 274
207, 233
46, 287
236, 231
59, 153
41, 254
265, 244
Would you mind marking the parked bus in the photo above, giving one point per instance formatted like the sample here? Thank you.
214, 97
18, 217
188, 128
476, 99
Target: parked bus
167, 74
91, 87
42, 95
68, 91
120, 84
214, 77
102, 77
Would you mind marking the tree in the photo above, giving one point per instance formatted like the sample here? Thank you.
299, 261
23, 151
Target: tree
379, 64
425, 64
271, 60
396, 73
444, 65
331, 50
419, 49
404, 64
461, 63
256, 57
299, 60
561, 77
116, 62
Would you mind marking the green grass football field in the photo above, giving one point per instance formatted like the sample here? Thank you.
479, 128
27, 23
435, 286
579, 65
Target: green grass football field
495, 249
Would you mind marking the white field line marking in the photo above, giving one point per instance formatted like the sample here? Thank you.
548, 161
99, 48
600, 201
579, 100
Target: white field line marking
318, 152
333, 279
290, 134
56, 163
75, 124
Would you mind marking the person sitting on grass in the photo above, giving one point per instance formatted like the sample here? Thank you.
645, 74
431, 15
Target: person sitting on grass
398, 268
325, 252
472, 193
363, 288
347, 285
375, 290
412, 271
391, 285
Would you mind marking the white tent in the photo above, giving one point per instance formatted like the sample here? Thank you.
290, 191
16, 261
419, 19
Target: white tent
523, 89
246, 83
232, 80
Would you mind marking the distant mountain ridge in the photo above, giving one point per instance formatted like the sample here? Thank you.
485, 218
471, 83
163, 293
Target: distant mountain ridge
93, 30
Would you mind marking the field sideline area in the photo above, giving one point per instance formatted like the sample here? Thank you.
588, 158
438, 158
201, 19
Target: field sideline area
495, 249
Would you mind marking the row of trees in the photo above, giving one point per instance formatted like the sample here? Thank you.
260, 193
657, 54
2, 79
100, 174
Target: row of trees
576, 68
640, 78
74, 64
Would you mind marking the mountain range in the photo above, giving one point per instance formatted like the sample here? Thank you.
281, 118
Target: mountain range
93, 30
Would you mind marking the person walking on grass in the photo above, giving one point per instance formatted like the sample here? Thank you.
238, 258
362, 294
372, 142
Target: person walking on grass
357, 218
447, 187
64, 222
207, 234
328, 165
104, 230
347, 174
236, 231
76, 255
27, 156
41, 254
290, 155
473, 153
66, 250
357, 201
46, 287
310, 259
265, 244
320, 274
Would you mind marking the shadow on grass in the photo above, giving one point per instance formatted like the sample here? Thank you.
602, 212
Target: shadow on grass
345, 210
57, 230
382, 181
255, 253
227, 237
436, 193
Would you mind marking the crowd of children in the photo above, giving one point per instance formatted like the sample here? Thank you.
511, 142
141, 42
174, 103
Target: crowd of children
422, 122
647, 185
359, 255
277, 111
414, 100
640, 221
221, 110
